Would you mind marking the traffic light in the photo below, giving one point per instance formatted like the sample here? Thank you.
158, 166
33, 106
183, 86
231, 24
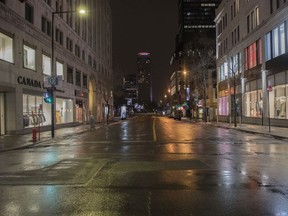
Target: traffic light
48, 96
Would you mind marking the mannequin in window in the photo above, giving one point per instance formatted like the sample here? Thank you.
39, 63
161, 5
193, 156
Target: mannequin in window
277, 107
282, 106
261, 106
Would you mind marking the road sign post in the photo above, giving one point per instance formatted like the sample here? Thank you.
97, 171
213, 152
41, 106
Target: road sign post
269, 89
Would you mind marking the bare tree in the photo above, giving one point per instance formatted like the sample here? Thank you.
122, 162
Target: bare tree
107, 96
234, 72
203, 63
205, 66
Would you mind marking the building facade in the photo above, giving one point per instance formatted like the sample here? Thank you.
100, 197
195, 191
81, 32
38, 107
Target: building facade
82, 57
252, 47
195, 39
196, 20
131, 89
144, 78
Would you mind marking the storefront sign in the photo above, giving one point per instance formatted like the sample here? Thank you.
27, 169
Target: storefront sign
29, 82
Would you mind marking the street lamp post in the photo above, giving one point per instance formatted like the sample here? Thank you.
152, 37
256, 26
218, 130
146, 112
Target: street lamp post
53, 74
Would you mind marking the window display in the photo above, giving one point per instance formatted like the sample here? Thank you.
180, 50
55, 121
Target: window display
280, 101
36, 112
253, 104
223, 105
64, 110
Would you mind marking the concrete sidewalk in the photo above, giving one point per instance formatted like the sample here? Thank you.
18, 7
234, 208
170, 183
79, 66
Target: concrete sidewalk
8, 143
276, 132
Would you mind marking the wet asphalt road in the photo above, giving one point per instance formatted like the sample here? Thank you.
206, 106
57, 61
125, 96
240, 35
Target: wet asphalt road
148, 166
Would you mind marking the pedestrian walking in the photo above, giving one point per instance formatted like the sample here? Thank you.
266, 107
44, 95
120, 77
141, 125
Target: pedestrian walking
92, 122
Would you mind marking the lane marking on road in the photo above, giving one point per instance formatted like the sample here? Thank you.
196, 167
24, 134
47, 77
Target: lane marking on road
154, 130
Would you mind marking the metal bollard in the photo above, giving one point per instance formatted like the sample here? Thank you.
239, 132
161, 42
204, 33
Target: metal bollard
34, 135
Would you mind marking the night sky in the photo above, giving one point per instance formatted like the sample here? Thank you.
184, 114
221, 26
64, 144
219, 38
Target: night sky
145, 26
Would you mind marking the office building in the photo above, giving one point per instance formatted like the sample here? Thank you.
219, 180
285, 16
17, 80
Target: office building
82, 57
131, 89
251, 61
144, 78
196, 20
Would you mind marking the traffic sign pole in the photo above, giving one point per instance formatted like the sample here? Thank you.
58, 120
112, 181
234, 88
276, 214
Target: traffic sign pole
52, 112
269, 89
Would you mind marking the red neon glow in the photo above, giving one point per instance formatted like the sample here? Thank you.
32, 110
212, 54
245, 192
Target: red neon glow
143, 53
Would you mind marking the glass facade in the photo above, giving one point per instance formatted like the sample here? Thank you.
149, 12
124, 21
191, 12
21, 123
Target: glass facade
278, 96
36, 112
253, 99
276, 41
64, 111
223, 106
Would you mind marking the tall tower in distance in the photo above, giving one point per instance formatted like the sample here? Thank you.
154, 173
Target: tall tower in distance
144, 78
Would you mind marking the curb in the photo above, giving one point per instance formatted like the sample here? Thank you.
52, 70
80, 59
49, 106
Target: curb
46, 139
251, 132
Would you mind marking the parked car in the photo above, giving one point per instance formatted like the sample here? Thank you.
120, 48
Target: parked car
177, 115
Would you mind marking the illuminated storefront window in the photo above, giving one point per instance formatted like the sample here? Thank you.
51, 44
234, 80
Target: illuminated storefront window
278, 96
223, 103
253, 99
64, 111
36, 112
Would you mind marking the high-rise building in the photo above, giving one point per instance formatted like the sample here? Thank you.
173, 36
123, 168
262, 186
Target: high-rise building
144, 78
196, 20
131, 89
82, 55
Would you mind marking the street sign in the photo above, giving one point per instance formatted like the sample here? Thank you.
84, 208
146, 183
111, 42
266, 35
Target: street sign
269, 88
55, 81
52, 80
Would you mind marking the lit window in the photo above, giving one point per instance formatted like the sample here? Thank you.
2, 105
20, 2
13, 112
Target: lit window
46, 65
268, 46
29, 57
6, 48
275, 42
60, 69
282, 39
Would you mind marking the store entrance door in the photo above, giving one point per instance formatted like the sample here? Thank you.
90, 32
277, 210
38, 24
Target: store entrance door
2, 116
79, 111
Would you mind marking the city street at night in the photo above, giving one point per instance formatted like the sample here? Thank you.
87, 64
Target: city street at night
147, 165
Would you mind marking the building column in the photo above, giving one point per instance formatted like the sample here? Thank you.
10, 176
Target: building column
14, 111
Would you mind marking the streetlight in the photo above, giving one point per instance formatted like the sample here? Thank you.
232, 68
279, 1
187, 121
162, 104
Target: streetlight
53, 75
